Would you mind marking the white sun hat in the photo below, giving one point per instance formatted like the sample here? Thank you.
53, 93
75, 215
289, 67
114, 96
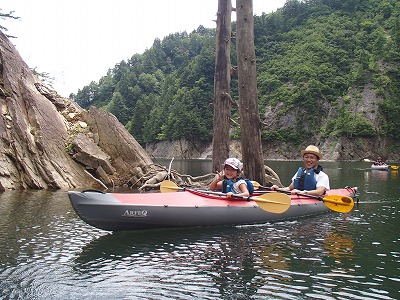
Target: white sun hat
234, 163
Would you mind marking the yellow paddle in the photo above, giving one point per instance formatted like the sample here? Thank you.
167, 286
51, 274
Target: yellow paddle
337, 203
273, 202
394, 167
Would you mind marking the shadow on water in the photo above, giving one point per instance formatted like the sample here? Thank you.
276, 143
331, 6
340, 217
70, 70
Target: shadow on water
243, 260
123, 244
222, 254
117, 245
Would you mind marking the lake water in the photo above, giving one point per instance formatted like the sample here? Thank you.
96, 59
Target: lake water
47, 252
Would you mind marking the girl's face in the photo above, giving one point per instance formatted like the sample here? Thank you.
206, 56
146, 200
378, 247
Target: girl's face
230, 172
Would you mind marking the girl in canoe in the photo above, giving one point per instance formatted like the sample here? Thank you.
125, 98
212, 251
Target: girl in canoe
229, 180
309, 179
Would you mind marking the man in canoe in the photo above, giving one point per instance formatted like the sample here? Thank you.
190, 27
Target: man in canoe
229, 180
309, 179
379, 162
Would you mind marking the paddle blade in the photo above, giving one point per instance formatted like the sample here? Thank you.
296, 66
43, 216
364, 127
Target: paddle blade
256, 185
338, 203
168, 186
273, 202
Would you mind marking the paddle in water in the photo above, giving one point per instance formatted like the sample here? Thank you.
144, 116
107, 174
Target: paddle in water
337, 203
273, 202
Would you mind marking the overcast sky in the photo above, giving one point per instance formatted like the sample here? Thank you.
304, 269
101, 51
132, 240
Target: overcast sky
77, 41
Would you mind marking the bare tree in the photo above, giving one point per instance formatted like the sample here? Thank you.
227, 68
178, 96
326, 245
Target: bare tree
222, 81
4, 16
250, 125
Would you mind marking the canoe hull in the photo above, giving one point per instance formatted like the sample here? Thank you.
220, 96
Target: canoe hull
116, 212
380, 167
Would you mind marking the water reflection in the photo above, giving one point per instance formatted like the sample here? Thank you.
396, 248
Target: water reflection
394, 174
339, 246
246, 260
273, 258
47, 252
379, 175
119, 245
223, 255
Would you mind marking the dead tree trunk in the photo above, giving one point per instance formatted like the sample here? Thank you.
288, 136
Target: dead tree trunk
222, 81
250, 125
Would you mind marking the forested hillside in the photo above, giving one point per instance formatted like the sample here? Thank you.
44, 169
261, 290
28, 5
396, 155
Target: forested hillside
324, 68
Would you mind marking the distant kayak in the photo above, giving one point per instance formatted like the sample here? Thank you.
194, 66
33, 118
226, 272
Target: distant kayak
383, 167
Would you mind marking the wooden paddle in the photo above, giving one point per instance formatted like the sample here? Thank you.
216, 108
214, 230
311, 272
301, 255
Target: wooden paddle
337, 203
274, 203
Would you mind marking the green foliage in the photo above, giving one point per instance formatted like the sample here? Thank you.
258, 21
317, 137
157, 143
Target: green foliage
235, 134
118, 108
391, 110
69, 148
283, 135
44, 77
349, 124
310, 55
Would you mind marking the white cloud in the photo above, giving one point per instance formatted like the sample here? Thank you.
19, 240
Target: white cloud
77, 41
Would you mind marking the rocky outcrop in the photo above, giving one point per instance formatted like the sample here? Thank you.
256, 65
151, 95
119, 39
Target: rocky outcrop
334, 149
182, 149
49, 142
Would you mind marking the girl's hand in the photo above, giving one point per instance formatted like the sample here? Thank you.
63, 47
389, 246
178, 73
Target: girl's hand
220, 175
274, 187
216, 183
295, 191
229, 195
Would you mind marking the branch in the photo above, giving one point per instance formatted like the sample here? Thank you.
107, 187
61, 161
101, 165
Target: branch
9, 15
234, 122
97, 180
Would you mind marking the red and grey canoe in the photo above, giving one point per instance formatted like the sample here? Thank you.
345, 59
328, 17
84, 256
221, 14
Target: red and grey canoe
189, 208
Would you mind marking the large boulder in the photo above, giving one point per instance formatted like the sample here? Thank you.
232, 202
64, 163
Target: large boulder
49, 142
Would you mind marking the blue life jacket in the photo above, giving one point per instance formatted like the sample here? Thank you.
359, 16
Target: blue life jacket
227, 185
305, 179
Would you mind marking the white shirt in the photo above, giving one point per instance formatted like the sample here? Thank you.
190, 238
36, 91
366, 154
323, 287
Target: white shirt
236, 185
321, 178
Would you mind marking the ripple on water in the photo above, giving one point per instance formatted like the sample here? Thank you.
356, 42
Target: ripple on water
332, 256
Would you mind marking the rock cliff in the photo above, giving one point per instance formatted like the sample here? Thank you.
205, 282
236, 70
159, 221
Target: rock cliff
49, 142
334, 149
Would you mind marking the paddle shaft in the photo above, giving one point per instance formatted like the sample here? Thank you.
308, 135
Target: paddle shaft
219, 194
348, 202
234, 196
289, 192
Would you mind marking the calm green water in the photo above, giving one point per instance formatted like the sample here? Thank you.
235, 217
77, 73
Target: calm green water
47, 252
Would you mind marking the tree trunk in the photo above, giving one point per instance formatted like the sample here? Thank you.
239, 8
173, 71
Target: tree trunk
222, 81
250, 125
